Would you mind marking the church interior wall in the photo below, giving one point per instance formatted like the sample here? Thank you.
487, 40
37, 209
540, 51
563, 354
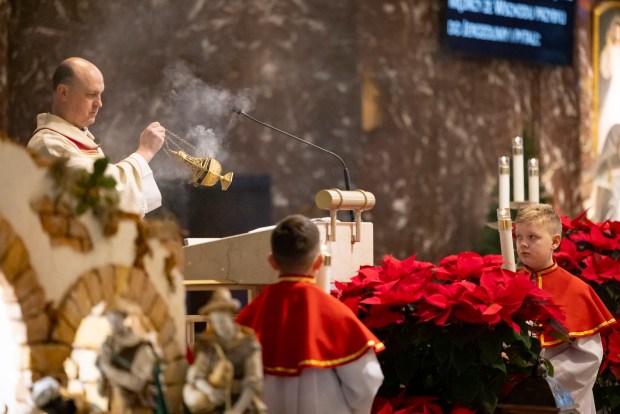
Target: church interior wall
419, 127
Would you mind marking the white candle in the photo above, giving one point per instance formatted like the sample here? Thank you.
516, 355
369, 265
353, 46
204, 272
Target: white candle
504, 226
518, 177
533, 181
324, 278
504, 182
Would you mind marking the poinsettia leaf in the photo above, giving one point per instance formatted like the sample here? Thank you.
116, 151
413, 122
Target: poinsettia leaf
381, 316
466, 315
566, 223
425, 334
581, 222
462, 361
461, 410
442, 347
407, 368
598, 268
465, 387
487, 399
386, 409
469, 265
600, 240
490, 345
353, 304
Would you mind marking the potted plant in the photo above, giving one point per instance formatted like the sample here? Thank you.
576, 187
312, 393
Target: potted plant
457, 333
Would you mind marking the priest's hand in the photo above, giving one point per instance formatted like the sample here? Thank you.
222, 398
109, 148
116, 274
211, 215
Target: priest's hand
151, 140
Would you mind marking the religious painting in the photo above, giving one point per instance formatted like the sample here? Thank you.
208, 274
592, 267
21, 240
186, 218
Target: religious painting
606, 56
606, 111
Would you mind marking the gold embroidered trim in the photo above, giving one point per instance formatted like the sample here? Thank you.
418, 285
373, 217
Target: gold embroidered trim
324, 364
307, 279
582, 334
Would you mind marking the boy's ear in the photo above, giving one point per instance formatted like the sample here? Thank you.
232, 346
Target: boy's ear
555, 241
272, 262
318, 262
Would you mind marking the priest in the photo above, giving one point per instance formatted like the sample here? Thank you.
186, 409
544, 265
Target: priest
63, 133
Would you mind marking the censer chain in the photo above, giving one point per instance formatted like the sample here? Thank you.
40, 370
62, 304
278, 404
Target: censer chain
174, 139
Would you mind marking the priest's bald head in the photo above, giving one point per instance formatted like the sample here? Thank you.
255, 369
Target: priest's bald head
77, 89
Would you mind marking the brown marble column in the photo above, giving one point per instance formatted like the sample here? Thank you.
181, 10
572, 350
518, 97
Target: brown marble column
5, 12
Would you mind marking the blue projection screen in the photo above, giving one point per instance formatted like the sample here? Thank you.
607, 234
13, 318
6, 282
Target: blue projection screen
536, 30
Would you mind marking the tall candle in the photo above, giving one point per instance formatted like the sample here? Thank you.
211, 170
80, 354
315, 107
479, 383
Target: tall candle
504, 226
504, 182
518, 177
324, 278
533, 181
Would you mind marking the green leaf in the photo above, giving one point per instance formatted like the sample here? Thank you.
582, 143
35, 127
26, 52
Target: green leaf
426, 333
406, 369
81, 209
99, 167
443, 346
462, 360
107, 182
487, 400
549, 365
465, 387
490, 346
614, 399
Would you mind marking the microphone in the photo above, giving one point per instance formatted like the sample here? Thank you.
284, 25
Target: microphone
347, 179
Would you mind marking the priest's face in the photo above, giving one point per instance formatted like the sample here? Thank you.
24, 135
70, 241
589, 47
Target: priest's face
535, 245
81, 97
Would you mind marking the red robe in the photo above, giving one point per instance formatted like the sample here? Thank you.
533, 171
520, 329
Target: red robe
299, 326
586, 314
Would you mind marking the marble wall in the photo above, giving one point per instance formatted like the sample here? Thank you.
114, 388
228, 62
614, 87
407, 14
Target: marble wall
5, 11
417, 126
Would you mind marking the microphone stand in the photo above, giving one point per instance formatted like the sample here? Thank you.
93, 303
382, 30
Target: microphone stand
347, 179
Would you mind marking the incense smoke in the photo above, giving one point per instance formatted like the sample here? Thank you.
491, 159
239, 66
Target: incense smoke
200, 114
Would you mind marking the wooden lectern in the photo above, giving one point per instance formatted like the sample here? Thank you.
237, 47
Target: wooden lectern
240, 262
242, 259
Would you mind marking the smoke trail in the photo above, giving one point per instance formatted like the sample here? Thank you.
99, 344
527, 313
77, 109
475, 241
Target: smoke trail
203, 110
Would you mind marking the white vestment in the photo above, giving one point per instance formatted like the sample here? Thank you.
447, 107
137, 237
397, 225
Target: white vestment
348, 388
134, 178
576, 366
609, 114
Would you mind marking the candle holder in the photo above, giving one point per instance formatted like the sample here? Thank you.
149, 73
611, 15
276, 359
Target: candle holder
504, 224
324, 278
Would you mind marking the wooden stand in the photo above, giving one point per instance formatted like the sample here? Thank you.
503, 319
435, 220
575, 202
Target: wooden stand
242, 259
531, 409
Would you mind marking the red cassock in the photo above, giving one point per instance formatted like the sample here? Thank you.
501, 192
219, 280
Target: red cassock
301, 326
585, 313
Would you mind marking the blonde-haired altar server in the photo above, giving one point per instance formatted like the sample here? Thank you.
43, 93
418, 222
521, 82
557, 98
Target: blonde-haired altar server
575, 361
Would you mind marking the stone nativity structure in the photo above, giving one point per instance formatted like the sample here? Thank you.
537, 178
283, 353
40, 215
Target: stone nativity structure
59, 270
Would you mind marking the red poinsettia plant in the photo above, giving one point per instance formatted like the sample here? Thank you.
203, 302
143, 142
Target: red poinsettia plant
591, 251
457, 333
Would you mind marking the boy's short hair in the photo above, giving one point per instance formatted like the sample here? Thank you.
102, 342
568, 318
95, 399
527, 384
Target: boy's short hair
542, 214
295, 243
